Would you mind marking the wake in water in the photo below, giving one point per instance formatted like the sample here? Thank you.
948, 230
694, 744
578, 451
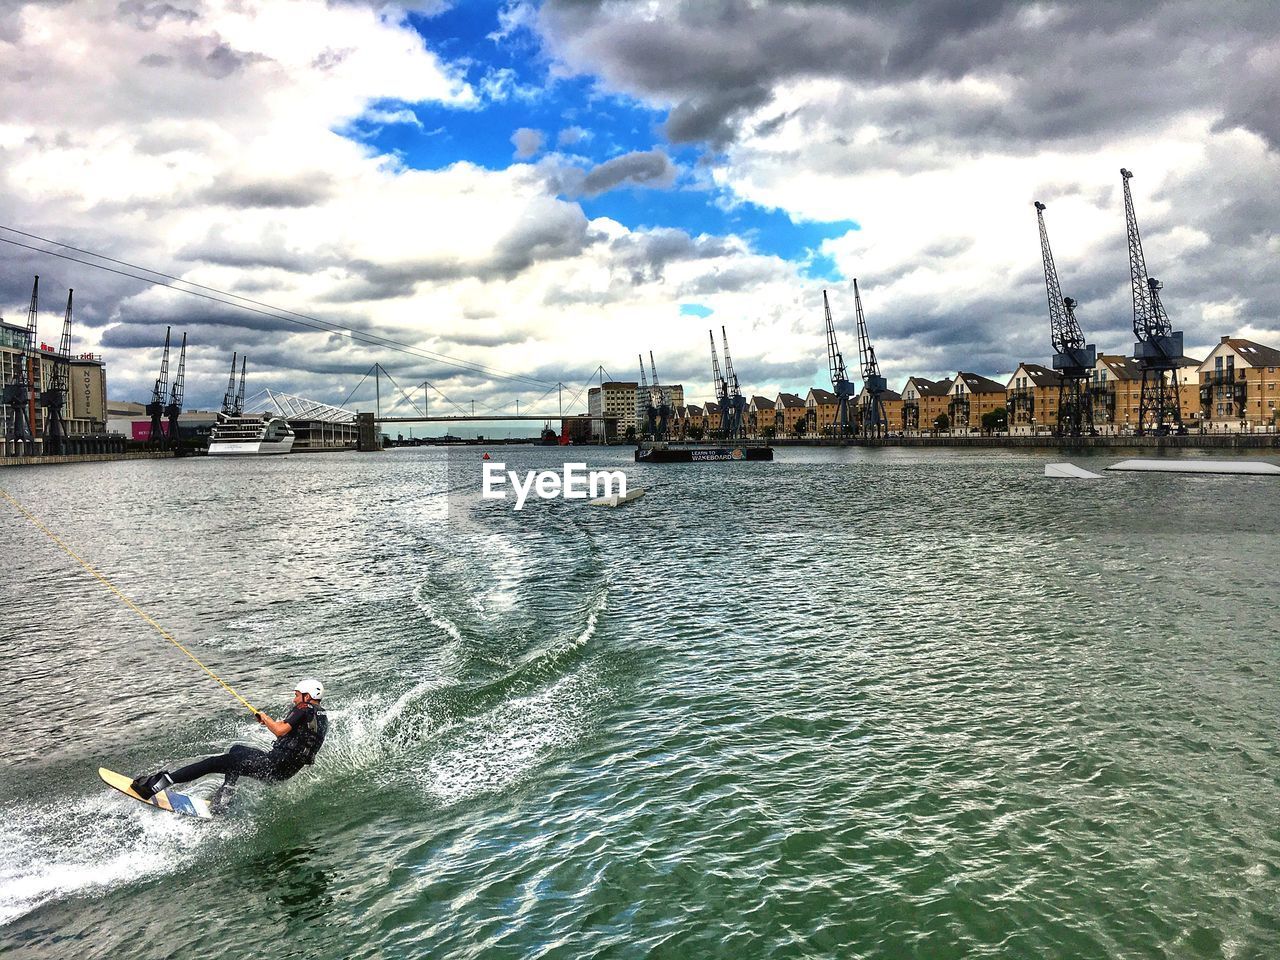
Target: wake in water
92, 844
509, 685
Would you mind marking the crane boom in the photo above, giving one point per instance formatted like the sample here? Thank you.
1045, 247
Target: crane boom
20, 392
229, 398
54, 397
719, 385
159, 393
874, 421
1158, 347
239, 406
1064, 332
176, 395
732, 416
1073, 359
717, 379
650, 409
659, 401
841, 385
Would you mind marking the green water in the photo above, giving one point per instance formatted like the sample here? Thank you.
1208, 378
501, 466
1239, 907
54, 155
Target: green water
848, 704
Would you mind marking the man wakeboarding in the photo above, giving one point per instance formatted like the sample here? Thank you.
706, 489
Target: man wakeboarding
299, 737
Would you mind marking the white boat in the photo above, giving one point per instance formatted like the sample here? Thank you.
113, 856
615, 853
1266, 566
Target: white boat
250, 435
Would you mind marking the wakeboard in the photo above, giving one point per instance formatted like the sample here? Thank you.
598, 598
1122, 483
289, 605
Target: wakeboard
169, 800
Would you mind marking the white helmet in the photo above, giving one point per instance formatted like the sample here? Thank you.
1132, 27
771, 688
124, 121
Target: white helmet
311, 687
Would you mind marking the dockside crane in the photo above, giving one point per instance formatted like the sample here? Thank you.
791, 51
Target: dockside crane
650, 408
873, 421
237, 408
1072, 357
664, 409
174, 407
719, 384
733, 414
229, 398
54, 397
20, 392
1158, 347
841, 385
159, 393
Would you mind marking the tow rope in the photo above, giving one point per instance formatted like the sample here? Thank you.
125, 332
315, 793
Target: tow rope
129, 603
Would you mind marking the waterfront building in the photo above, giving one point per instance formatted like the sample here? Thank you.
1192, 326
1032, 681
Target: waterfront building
1116, 389
613, 398
1031, 397
969, 397
820, 409
893, 410
695, 421
672, 396
1112, 388
711, 417
762, 415
790, 414
923, 401
1237, 388
86, 407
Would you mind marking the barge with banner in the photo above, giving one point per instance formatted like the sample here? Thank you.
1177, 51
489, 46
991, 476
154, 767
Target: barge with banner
659, 452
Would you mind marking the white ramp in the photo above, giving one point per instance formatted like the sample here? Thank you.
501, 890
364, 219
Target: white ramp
1070, 470
1253, 467
614, 500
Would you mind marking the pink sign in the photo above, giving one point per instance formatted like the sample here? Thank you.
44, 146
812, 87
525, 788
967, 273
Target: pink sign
142, 429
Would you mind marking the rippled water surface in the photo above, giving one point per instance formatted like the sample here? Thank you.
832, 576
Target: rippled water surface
848, 704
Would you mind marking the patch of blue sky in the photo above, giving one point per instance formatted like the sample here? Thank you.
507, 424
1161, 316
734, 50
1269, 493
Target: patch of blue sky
516, 90
695, 310
698, 211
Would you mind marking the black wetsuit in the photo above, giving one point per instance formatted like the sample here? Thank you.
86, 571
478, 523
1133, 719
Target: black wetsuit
289, 754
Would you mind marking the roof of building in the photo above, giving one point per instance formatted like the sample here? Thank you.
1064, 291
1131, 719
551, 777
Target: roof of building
790, 400
890, 395
712, 407
1257, 354
693, 410
822, 396
1040, 376
930, 388
620, 384
977, 384
1121, 367
759, 402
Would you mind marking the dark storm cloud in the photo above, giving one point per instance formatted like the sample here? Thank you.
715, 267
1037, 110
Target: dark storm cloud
1065, 70
643, 168
737, 275
182, 312
277, 194
147, 15
225, 253
496, 338
643, 257
553, 231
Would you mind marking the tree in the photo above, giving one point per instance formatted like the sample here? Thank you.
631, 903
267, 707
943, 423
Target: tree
696, 433
997, 419
769, 433
630, 435
942, 423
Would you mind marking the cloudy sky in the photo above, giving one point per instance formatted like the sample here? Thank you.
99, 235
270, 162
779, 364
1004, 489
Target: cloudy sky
536, 189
